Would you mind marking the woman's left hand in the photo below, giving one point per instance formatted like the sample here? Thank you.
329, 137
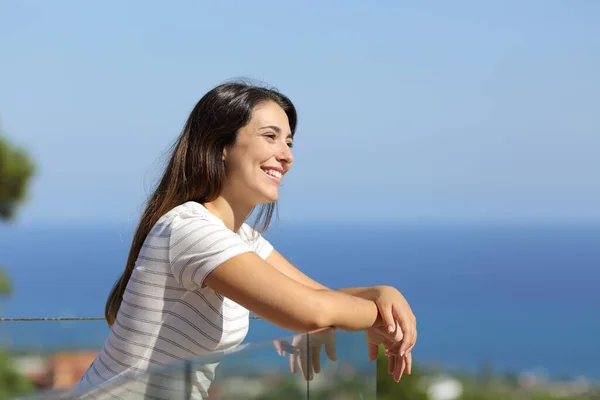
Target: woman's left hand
397, 316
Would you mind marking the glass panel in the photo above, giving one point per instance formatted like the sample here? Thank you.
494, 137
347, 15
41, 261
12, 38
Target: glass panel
267, 370
261, 372
49, 336
262, 331
258, 371
47, 354
345, 370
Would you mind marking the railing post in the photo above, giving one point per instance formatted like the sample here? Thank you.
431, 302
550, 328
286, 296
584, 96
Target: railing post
187, 370
308, 365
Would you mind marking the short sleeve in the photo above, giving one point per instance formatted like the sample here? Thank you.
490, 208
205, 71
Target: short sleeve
198, 245
259, 244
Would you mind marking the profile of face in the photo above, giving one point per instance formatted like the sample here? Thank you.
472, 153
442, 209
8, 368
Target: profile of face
260, 156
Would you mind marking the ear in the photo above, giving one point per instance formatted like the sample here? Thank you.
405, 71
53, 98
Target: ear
224, 155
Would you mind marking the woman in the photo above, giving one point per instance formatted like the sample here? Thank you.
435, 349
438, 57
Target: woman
196, 268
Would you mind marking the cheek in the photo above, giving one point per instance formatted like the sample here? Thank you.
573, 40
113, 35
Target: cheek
243, 170
244, 161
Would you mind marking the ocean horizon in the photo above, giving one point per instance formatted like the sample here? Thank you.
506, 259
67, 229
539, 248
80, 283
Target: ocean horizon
514, 296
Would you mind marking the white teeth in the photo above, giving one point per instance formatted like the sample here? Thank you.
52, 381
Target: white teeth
273, 173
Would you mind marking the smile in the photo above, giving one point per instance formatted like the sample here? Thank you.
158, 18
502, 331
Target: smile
273, 174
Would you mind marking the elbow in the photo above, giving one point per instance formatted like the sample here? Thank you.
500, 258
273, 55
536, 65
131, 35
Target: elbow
315, 322
321, 316
321, 321
306, 313
313, 315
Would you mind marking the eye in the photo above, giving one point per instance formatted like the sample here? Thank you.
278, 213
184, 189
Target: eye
271, 136
290, 144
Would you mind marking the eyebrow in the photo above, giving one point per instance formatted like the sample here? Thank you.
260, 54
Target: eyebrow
277, 129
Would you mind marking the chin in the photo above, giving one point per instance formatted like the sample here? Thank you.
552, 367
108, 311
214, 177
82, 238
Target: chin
271, 197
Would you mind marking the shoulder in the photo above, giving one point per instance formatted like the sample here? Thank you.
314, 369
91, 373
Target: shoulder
188, 212
191, 209
249, 235
258, 243
189, 215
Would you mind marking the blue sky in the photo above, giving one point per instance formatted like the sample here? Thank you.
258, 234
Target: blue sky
437, 111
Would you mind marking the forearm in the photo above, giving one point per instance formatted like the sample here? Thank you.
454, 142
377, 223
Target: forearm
348, 312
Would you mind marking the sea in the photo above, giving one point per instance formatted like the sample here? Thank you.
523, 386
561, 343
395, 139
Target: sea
513, 297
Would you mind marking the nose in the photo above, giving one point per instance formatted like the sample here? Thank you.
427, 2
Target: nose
285, 154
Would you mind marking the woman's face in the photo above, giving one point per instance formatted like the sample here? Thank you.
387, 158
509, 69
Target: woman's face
260, 156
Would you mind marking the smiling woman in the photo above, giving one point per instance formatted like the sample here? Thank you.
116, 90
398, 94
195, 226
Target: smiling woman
196, 268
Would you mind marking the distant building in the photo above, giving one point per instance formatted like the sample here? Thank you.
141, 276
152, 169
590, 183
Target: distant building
60, 370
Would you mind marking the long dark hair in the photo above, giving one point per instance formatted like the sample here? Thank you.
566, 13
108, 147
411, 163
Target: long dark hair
196, 170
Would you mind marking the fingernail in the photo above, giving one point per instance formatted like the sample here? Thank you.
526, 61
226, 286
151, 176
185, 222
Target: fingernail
390, 329
401, 354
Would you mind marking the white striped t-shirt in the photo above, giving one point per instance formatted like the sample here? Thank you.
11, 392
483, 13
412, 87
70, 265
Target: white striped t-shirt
167, 314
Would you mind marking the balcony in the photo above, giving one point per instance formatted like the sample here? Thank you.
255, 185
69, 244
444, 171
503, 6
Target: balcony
53, 354
271, 368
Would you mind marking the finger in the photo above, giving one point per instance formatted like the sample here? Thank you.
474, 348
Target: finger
330, 350
315, 358
399, 334
388, 317
402, 367
414, 342
300, 361
293, 360
409, 363
407, 329
391, 364
373, 351
305, 367
278, 348
396, 368
399, 368
305, 362
286, 347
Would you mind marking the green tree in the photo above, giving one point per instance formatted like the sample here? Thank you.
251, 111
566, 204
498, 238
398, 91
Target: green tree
16, 170
11, 382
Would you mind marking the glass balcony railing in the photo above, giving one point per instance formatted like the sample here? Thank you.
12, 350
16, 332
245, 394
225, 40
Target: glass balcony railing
43, 335
329, 364
294, 367
52, 354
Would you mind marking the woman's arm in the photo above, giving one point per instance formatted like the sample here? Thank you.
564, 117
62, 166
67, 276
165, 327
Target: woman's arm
391, 304
280, 299
280, 263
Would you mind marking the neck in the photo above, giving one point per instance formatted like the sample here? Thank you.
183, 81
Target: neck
231, 211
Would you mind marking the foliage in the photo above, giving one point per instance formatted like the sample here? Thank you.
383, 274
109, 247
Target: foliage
11, 382
16, 170
286, 389
5, 286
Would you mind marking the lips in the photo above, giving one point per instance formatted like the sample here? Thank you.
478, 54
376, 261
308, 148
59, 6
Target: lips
273, 173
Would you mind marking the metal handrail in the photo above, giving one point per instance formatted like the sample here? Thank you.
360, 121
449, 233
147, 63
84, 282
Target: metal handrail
51, 319
38, 319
